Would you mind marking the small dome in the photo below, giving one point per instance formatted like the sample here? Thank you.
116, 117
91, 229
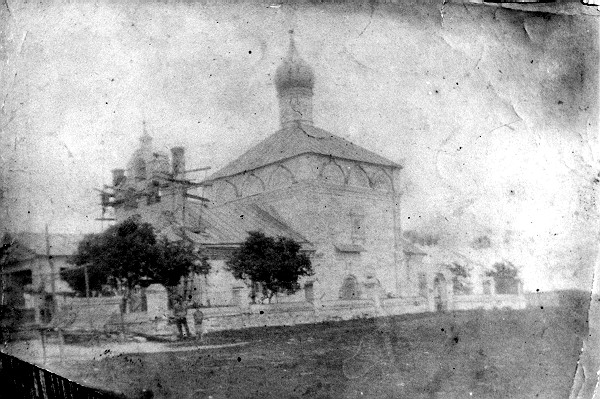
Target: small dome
294, 71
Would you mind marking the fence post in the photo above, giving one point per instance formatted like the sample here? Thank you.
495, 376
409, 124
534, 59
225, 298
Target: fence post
61, 344
43, 336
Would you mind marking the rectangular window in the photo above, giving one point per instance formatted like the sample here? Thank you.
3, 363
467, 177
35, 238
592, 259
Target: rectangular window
358, 228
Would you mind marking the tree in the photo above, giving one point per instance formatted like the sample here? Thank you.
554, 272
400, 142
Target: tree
8, 244
506, 278
175, 260
275, 264
6, 258
129, 255
460, 278
97, 278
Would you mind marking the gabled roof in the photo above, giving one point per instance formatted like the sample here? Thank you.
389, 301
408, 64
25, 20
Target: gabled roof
28, 244
297, 139
230, 224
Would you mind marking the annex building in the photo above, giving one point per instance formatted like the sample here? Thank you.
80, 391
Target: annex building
339, 200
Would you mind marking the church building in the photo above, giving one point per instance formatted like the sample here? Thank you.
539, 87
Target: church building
339, 200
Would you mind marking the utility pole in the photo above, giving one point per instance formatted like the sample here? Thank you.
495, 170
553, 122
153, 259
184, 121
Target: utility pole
4, 255
398, 259
87, 282
184, 190
52, 271
184, 186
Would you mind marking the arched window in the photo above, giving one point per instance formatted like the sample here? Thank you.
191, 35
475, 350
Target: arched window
358, 178
225, 191
381, 182
281, 177
253, 185
350, 288
332, 173
309, 293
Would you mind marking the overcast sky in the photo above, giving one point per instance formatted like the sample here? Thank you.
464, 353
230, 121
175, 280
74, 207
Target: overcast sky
492, 112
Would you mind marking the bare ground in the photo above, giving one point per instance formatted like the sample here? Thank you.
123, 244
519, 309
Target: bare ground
495, 354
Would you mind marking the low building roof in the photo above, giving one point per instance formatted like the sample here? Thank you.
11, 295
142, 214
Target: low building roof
410, 248
30, 244
229, 224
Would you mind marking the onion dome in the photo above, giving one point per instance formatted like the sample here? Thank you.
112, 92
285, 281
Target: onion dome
294, 72
294, 80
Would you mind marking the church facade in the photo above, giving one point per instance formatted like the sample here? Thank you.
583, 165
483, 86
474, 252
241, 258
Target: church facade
339, 200
341, 197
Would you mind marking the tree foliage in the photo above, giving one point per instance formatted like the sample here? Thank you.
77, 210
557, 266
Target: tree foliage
275, 264
506, 277
8, 244
460, 278
503, 270
176, 259
129, 255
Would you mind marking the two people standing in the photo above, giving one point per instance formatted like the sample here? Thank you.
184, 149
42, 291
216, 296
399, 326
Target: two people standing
180, 309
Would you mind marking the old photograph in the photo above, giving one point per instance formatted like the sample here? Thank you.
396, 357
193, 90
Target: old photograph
299, 199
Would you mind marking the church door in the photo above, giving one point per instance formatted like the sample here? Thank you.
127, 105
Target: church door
440, 293
350, 289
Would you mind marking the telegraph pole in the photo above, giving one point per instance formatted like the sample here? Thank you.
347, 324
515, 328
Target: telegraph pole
52, 271
87, 283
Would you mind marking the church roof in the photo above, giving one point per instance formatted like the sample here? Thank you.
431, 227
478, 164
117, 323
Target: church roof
297, 139
230, 224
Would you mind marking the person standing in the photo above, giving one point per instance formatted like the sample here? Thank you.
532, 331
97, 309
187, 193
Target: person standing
180, 314
198, 319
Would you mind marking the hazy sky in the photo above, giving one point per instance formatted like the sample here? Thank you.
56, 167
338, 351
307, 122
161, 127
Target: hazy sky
493, 112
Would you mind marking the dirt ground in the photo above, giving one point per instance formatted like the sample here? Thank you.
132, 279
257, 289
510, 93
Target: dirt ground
495, 354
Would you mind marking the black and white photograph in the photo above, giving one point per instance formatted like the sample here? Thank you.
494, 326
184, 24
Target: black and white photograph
299, 199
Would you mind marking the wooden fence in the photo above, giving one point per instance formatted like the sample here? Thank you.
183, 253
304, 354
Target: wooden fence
20, 379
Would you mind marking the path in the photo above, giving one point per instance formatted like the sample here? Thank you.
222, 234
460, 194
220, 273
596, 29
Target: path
33, 352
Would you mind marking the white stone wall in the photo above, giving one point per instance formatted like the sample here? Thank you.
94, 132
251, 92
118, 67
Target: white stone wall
322, 212
219, 286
